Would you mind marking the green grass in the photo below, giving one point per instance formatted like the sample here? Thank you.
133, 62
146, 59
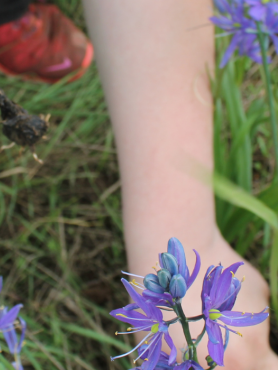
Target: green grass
61, 241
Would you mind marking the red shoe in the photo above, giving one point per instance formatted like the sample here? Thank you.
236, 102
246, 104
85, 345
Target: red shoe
44, 45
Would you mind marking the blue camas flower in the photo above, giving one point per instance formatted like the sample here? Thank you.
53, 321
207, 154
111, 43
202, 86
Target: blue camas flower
152, 322
7, 318
219, 294
15, 343
259, 8
173, 277
243, 30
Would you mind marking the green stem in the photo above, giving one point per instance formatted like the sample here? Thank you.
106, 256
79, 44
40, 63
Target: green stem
185, 326
195, 318
200, 336
270, 98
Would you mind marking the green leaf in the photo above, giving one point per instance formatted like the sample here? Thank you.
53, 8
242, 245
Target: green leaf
232, 193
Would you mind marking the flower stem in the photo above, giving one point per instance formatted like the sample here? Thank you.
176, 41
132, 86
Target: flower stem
185, 326
195, 318
270, 98
200, 336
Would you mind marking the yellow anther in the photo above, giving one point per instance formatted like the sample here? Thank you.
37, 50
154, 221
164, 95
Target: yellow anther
146, 342
243, 279
146, 359
120, 314
116, 333
134, 282
238, 333
243, 313
232, 274
134, 361
128, 329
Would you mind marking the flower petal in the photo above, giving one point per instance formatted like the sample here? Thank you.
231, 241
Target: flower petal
195, 270
224, 283
229, 51
214, 277
231, 296
173, 353
257, 12
150, 310
176, 249
10, 316
164, 299
132, 317
154, 353
216, 351
210, 328
234, 318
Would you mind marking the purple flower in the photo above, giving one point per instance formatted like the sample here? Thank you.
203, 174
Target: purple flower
219, 294
176, 249
173, 278
258, 8
151, 322
17, 366
189, 365
11, 338
270, 27
7, 318
244, 31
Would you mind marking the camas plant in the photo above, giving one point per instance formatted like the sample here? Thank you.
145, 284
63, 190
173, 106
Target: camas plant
253, 25
9, 322
166, 289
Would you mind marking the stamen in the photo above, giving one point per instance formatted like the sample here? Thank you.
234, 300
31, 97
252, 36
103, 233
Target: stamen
238, 333
116, 333
146, 359
132, 350
243, 313
226, 327
243, 279
135, 330
127, 273
151, 341
120, 314
232, 274
137, 285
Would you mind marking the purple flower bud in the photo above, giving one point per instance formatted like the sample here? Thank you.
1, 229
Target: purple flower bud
164, 278
178, 286
170, 263
151, 283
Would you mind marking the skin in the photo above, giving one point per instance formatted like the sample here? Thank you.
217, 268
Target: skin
153, 69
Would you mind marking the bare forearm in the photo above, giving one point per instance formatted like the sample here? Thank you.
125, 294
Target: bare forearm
153, 69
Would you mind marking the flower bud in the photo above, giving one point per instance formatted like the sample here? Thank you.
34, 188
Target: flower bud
170, 263
164, 278
151, 282
178, 286
210, 361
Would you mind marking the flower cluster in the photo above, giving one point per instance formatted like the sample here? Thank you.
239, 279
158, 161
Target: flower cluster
244, 20
9, 322
167, 288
